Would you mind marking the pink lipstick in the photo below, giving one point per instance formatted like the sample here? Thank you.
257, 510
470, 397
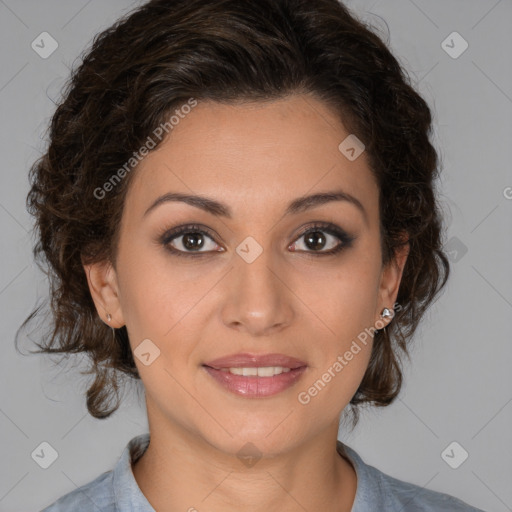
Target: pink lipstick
253, 375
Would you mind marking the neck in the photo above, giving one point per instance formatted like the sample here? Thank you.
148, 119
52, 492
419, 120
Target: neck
183, 472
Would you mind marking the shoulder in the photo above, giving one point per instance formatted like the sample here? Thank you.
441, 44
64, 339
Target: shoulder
113, 490
411, 497
379, 491
96, 495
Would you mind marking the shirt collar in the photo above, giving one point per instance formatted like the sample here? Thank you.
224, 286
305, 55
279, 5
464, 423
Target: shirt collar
367, 488
128, 496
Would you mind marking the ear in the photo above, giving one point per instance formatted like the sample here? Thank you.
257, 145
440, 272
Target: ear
103, 285
391, 277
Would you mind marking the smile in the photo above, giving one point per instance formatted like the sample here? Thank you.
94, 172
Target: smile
254, 382
262, 371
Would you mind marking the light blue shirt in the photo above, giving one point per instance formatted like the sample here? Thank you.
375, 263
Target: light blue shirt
117, 490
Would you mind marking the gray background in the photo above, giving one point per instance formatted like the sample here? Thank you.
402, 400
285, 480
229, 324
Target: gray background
458, 387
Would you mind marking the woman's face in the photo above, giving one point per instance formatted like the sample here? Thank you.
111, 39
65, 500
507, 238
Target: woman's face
259, 282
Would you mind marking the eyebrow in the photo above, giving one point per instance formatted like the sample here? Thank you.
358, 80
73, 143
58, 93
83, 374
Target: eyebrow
299, 205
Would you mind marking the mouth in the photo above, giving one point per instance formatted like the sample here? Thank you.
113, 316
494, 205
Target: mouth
254, 376
260, 371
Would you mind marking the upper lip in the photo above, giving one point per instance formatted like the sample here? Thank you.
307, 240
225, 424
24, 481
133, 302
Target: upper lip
255, 360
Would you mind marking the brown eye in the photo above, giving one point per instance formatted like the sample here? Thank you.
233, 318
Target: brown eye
315, 240
318, 237
192, 241
188, 241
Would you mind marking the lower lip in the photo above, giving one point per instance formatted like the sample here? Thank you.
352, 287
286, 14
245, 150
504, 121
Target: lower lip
253, 387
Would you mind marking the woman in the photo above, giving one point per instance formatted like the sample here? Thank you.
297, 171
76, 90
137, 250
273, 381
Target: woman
237, 207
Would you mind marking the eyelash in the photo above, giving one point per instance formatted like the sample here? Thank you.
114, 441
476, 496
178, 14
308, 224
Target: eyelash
326, 227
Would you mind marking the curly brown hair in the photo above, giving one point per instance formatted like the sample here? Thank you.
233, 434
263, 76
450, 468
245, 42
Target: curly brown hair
157, 57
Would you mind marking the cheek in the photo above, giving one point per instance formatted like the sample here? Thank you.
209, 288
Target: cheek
149, 297
345, 296
164, 303
343, 302
342, 354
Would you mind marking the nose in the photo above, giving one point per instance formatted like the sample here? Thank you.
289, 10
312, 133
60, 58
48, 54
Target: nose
258, 299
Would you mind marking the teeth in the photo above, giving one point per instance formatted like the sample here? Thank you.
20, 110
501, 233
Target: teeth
263, 371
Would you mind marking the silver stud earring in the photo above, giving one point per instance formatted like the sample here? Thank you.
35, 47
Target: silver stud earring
109, 317
386, 313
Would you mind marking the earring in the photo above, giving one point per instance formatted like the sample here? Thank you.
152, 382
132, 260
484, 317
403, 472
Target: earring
385, 313
109, 318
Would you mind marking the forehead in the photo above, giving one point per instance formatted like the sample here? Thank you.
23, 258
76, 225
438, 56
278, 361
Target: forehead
247, 153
